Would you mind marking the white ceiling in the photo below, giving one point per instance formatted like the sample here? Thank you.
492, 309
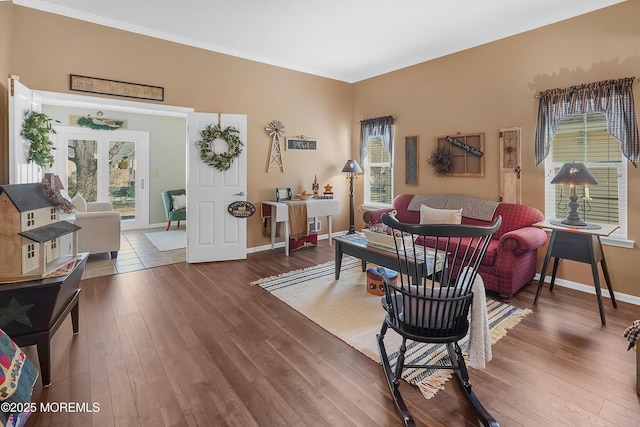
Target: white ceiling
348, 40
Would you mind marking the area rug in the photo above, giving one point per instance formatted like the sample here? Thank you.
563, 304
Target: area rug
168, 240
345, 309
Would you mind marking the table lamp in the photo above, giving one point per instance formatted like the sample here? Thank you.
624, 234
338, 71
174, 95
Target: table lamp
352, 168
574, 174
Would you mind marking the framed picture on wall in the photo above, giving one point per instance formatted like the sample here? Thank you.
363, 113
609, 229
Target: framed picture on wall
411, 147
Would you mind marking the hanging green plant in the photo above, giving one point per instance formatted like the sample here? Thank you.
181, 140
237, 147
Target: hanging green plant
36, 128
220, 161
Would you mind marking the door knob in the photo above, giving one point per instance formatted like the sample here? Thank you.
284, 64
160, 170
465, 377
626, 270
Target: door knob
239, 194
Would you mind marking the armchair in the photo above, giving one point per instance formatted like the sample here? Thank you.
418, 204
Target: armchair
100, 229
170, 210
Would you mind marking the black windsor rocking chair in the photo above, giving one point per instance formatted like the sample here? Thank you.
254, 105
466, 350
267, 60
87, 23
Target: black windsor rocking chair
432, 306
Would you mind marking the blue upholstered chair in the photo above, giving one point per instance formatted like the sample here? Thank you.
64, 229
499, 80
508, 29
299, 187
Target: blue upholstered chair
173, 214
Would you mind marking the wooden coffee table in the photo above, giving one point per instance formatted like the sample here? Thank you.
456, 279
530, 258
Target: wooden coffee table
357, 246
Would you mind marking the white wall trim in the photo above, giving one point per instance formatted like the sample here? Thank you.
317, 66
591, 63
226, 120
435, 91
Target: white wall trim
590, 289
261, 248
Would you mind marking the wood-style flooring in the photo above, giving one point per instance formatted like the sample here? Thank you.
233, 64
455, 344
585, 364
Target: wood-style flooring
196, 345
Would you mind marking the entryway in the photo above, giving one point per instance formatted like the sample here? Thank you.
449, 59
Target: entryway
137, 252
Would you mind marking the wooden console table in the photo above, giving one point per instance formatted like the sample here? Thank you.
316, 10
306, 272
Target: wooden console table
279, 212
34, 310
577, 244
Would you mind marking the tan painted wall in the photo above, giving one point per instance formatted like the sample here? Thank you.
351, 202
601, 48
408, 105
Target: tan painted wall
493, 86
47, 48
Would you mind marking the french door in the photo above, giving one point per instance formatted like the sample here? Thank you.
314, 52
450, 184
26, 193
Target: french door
107, 166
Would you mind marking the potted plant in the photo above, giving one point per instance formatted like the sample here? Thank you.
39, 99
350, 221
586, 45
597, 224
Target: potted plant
36, 129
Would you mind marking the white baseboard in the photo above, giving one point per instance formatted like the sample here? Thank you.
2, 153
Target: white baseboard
590, 289
281, 244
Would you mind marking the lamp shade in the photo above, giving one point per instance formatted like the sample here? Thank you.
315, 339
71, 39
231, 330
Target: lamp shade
574, 174
352, 166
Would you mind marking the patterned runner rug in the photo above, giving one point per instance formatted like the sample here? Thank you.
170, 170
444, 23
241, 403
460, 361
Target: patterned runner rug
345, 309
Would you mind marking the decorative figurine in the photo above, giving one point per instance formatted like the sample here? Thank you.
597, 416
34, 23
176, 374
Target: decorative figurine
327, 189
315, 186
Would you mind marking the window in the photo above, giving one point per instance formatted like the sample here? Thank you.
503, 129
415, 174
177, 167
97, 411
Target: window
378, 172
584, 138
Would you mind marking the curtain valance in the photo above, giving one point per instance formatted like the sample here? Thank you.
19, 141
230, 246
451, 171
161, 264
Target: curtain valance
614, 98
380, 126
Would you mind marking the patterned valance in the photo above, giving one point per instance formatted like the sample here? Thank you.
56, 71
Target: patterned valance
614, 98
380, 126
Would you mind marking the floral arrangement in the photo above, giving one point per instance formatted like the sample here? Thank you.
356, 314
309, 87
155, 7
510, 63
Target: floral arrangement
36, 128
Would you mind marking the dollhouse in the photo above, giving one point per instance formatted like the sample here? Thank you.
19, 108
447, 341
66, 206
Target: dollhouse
30, 231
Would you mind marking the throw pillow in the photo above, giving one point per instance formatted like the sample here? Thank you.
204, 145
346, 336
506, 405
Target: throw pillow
179, 201
79, 203
440, 216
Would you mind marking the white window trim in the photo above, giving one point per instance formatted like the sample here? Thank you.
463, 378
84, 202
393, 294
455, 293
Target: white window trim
367, 190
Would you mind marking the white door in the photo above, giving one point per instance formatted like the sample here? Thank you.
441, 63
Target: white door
21, 100
107, 165
212, 233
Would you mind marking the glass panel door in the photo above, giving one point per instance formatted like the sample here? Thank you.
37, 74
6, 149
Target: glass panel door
82, 168
108, 166
122, 178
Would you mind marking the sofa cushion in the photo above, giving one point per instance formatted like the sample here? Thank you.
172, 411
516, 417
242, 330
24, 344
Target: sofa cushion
440, 216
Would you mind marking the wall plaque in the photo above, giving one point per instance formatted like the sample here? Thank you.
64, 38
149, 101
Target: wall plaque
241, 209
116, 88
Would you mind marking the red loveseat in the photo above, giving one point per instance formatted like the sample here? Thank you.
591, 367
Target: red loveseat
510, 261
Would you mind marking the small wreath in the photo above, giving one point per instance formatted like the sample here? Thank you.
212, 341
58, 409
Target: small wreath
441, 161
220, 161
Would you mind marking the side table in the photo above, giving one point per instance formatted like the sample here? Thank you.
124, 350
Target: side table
31, 312
577, 244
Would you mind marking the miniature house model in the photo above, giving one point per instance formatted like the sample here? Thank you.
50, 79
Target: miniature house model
30, 232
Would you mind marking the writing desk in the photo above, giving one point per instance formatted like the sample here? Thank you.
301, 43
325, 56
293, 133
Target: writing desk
279, 212
577, 244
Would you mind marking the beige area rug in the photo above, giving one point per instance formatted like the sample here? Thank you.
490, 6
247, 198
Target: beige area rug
168, 240
345, 309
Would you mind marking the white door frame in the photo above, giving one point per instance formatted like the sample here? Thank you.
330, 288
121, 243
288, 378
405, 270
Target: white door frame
89, 102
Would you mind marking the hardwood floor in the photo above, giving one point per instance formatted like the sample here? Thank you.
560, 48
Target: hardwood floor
196, 345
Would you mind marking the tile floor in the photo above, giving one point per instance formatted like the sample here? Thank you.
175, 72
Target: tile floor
136, 253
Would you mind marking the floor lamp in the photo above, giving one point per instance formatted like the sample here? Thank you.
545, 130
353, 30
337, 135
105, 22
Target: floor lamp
352, 168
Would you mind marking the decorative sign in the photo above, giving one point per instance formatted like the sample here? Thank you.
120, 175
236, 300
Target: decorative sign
302, 143
116, 88
241, 209
411, 169
465, 147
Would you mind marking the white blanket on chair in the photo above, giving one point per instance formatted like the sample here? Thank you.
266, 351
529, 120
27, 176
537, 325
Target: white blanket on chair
479, 334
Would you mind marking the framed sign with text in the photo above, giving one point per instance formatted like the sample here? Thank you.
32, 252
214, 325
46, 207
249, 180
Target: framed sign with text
301, 143
115, 88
